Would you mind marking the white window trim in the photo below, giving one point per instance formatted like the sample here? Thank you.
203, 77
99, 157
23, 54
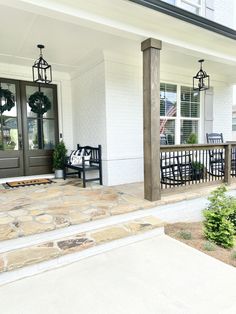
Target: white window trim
178, 117
200, 6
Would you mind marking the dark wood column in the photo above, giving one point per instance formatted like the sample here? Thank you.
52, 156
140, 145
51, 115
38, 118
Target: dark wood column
151, 118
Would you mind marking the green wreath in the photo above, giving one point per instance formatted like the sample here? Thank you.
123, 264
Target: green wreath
39, 103
8, 98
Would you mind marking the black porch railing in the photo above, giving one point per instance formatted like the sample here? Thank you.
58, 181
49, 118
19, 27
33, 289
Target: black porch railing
186, 165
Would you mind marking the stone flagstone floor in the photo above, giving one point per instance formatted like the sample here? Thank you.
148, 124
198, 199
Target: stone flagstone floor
37, 209
30, 210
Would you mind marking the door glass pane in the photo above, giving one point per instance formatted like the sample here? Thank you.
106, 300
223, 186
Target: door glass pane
41, 134
33, 109
8, 134
48, 134
33, 134
12, 88
8, 120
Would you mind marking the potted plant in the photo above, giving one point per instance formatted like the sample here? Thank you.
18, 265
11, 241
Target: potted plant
192, 139
59, 156
198, 170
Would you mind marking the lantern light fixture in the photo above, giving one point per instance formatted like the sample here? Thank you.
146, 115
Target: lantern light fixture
201, 81
42, 71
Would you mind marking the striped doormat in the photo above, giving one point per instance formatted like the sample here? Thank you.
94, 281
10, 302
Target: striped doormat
16, 184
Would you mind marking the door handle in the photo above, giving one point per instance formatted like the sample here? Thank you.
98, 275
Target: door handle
20, 142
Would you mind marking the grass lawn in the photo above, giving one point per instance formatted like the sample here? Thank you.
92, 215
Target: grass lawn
192, 235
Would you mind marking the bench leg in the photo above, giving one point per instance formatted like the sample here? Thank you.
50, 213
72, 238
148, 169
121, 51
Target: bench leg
84, 179
79, 174
100, 174
64, 173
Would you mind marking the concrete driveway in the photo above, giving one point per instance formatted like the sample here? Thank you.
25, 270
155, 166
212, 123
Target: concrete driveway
155, 276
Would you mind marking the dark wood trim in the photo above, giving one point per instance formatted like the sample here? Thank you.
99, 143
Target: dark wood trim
186, 16
13, 159
151, 118
31, 164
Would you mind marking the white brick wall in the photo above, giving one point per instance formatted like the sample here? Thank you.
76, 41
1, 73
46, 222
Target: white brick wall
124, 122
89, 109
222, 114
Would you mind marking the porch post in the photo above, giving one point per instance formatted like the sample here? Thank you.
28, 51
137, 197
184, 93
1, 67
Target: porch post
151, 118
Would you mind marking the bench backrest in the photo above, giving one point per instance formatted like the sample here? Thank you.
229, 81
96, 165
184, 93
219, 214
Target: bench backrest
94, 152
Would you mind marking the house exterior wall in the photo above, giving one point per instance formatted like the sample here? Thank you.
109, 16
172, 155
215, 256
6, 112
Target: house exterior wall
89, 109
124, 121
124, 118
222, 113
224, 12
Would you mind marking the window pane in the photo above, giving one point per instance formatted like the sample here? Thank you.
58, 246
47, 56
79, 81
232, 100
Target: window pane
41, 134
48, 134
12, 89
190, 8
168, 100
170, 1
190, 103
48, 92
188, 127
167, 127
33, 134
8, 133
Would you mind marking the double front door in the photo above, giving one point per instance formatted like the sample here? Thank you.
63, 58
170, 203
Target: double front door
28, 128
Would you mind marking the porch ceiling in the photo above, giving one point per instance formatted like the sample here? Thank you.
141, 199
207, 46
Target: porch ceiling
70, 35
66, 43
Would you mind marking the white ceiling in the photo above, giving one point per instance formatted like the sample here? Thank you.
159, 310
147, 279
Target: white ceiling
67, 44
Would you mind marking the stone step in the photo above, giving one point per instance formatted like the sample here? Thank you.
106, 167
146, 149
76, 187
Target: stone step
55, 250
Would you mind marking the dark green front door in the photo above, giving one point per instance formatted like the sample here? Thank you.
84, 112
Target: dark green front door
27, 138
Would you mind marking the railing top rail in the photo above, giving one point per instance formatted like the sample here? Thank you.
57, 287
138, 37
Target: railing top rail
195, 146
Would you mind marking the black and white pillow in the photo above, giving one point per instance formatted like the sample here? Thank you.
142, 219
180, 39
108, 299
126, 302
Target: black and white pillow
75, 156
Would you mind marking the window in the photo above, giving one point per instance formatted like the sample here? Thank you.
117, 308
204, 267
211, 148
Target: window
189, 112
170, 1
194, 6
179, 111
168, 111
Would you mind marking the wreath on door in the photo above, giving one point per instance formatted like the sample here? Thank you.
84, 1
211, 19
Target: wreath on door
39, 103
6, 100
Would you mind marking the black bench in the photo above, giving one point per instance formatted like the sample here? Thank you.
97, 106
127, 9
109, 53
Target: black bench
90, 160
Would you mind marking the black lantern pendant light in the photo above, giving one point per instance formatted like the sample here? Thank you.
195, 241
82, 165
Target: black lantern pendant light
201, 81
42, 71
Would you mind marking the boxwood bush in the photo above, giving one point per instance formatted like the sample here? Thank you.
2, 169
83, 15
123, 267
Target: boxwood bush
219, 218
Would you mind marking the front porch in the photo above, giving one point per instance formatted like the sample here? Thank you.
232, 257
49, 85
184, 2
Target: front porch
33, 210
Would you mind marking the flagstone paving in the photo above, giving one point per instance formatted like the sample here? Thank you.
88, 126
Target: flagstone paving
30, 210
33, 254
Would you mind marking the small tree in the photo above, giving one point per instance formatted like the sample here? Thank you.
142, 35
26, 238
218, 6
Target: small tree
59, 156
217, 226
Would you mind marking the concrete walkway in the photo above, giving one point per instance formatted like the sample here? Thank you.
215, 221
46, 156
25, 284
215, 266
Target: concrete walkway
155, 276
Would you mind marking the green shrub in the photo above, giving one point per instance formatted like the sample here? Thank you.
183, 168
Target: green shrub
217, 226
232, 216
192, 139
209, 246
59, 156
186, 235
